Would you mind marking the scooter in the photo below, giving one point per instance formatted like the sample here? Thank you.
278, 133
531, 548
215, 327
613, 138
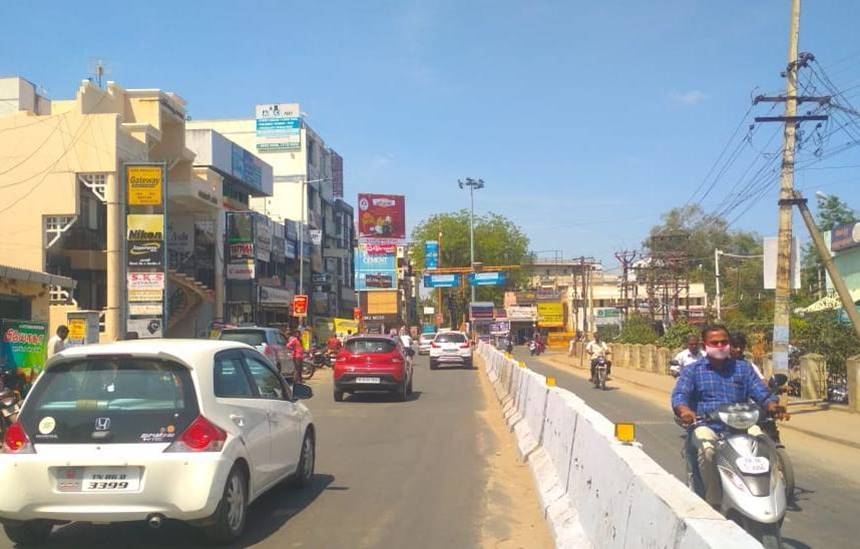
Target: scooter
600, 369
752, 480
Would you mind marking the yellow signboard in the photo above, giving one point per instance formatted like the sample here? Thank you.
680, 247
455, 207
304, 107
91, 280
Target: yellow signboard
344, 325
145, 227
145, 184
550, 315
77, 329
382, 303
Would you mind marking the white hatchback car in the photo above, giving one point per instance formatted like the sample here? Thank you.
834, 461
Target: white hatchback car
450, 347
192, 430
424, 341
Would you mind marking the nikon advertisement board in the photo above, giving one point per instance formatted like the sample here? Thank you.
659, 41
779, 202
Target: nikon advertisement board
146, 241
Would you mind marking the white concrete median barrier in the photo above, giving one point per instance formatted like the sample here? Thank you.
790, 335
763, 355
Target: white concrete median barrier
594, 490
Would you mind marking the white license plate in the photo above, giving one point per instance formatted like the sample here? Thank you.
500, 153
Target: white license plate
367, 380
98, 479
756, 465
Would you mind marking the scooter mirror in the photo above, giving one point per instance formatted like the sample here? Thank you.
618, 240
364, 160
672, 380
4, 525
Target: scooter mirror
778, 380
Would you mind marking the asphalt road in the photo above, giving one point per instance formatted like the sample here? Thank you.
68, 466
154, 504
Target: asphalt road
828, 498
430, 472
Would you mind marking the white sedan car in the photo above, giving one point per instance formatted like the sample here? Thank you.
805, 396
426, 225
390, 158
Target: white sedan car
450, 347
193, 430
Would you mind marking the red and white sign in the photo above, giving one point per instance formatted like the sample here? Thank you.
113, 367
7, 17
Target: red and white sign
356, 314
380, 249
145, 281
300, 305
241, 271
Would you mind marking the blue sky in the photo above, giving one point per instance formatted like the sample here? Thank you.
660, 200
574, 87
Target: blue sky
587, 120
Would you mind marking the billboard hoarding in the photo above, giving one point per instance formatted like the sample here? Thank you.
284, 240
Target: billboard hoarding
382, 218
550, 315
279, 127
382, 303
25, 346
844, 237
431, 254
375, 272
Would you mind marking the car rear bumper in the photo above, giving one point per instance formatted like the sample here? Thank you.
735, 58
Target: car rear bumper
177, 485
348, 383
452, 359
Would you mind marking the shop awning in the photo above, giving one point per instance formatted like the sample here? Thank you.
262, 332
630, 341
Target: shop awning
37, 277
830, 302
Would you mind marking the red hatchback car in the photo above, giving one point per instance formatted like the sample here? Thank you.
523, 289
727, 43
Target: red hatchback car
373, 363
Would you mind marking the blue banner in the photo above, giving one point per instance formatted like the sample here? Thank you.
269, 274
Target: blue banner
431, 254
442, 281
375, 272
487, 279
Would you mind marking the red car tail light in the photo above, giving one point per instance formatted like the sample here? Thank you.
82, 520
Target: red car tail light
465, 345
201, 436
434, 345
16, 441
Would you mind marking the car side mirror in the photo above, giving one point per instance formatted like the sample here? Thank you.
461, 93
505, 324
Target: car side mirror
302, 391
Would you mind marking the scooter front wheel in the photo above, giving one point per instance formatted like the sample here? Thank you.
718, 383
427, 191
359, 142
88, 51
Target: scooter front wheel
769, 535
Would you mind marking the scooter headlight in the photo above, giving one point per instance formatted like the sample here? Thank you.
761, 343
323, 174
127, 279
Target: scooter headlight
740, 419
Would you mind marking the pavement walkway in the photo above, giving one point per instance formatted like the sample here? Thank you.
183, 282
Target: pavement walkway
830, 422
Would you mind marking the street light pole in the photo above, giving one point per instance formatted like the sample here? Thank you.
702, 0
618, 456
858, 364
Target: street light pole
472, 184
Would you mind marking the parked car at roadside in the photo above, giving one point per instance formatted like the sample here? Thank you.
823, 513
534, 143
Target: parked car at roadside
373, 363
193, 430
451, 347
268, 341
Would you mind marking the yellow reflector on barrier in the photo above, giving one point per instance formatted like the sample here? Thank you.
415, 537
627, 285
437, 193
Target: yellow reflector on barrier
550, 382
625, 432
522, 364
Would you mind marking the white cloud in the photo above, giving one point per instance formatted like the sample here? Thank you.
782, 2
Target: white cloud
691, 97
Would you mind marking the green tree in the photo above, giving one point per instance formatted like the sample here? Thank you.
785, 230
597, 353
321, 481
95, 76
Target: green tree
498, 241
823, 333
677, 334
637, 329
832, 212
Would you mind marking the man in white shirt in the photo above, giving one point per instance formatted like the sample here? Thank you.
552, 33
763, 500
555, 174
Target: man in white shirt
598, 349
693, 353
58, 342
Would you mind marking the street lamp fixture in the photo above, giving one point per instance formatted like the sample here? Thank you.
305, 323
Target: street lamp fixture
473, 185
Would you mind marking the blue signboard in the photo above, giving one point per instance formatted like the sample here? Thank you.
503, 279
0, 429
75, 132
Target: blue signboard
246, 167
431, 254
375, 272
487, 279
442, 281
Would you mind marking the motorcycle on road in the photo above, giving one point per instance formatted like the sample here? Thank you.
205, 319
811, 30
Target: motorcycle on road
750, 471
600, 371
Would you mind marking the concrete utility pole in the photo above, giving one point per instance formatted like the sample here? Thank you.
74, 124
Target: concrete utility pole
473, 184
781, 307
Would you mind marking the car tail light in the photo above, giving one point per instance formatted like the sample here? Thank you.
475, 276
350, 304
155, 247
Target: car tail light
201, 436
16, 441
465, 345
435, 345
396, 360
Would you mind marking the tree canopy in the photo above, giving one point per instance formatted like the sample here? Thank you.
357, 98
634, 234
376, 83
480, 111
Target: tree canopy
498, 241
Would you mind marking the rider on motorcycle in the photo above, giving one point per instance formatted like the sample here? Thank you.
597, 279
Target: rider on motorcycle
598, 349
709, 383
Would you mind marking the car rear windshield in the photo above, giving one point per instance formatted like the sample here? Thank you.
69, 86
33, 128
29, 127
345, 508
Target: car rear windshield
251, 337
110, 400
369, 346
450, 338
427, 337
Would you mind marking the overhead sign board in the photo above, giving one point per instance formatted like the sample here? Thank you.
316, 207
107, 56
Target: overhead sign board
487, 279
442, 281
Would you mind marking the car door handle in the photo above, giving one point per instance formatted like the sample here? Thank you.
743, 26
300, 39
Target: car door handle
238, 420
274, 418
